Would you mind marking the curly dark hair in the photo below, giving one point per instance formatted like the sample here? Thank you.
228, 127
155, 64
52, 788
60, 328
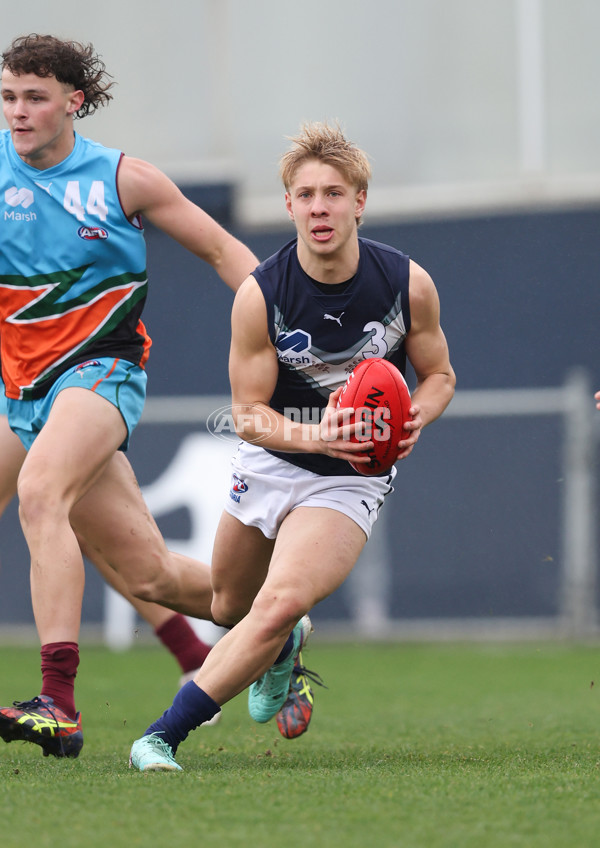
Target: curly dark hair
70, 62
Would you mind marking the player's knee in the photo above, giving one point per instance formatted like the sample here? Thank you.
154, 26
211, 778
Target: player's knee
144, 591
227, 610
151, 591
279, 612
153, 585
38, 502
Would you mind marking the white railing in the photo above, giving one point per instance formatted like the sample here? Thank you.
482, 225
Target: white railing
577, 615
573, 402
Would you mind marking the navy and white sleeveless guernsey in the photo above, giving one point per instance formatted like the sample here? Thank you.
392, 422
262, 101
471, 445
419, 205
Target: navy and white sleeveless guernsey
320, 336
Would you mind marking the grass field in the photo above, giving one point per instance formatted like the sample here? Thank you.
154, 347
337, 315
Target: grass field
412, 745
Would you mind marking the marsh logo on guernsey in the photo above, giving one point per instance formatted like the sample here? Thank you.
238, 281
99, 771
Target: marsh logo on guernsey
18, 197
293, 347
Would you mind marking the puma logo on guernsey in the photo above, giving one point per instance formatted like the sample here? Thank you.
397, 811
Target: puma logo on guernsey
44, 188
328, 317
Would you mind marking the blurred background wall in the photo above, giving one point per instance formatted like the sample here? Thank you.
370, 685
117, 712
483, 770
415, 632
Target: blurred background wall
482, 122
457, 101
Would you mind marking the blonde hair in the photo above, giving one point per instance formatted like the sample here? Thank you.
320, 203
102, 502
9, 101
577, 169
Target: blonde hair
326, 144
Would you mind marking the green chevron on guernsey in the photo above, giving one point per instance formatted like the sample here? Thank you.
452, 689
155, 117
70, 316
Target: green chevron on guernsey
85, 314
53, 300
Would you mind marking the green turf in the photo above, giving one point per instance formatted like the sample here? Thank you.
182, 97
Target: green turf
412, 745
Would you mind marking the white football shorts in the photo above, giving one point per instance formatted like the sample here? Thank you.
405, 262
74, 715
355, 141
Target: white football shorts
264, 489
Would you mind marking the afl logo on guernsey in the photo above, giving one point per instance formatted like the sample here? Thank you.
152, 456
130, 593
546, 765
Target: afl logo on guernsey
92, 233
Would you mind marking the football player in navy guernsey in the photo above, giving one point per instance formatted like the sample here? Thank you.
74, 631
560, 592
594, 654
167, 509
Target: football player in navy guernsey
301, 514
73, 349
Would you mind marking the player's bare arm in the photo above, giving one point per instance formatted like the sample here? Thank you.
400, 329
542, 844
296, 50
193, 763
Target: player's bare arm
253, 371
427, 351
145, 190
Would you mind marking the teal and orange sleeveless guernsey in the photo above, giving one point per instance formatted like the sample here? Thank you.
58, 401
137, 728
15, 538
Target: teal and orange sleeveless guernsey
72, 268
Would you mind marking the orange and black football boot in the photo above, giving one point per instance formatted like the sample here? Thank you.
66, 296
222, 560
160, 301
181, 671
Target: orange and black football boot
295, 715
40, 721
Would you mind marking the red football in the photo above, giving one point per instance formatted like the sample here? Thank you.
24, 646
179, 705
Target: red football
381, 400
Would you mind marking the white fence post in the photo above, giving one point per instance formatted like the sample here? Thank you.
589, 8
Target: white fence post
119, 620
578, 592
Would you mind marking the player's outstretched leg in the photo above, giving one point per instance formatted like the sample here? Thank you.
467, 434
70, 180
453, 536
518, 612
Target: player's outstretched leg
269, 693
295, 715
40, 721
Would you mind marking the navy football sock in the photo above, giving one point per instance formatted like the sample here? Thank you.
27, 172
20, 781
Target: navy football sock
190, 708
286, 650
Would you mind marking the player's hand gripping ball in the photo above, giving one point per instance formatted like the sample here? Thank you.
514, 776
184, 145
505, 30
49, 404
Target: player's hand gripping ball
381, 400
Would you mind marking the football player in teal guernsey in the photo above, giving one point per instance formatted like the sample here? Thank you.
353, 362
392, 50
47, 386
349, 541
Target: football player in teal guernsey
73, 350
298, 515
